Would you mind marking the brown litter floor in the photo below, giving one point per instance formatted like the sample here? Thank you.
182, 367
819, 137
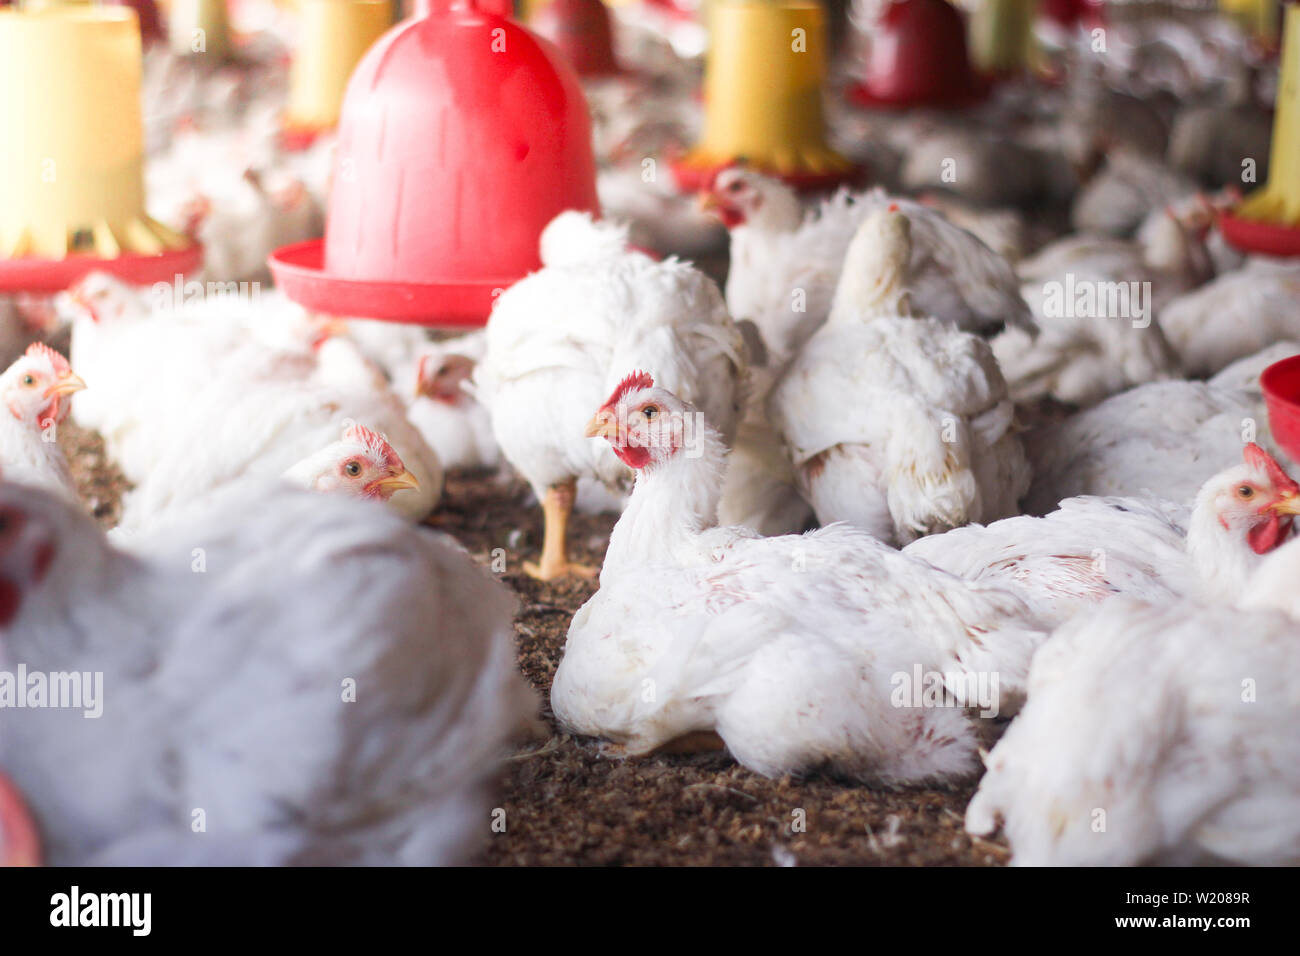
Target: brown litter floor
566, 803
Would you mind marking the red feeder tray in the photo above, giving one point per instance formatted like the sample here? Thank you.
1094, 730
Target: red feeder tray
462, 135
584, 34
918, 59
20, 843
34, 274
1280, 383
1264, 238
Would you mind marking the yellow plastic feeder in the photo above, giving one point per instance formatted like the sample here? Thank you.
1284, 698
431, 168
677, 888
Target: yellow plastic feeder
1002, 36
1260, 18
1268, 220
333, 36
763, 96
72, 153
199, 28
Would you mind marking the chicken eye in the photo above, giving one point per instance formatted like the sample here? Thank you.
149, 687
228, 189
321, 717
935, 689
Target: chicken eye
29, 380
734, 188
1245, 491
353, 468
649, 412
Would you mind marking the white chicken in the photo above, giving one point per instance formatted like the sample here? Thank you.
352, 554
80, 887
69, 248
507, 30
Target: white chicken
453, 422
1097, 303
791, 651
36, 391
1093, 548
1235, 315
899, 425
557, 341
1157, 734
186, 403
1154, 439
786, 264
367, 683
361, 464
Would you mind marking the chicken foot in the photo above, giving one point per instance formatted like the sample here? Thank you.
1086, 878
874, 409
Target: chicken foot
557, 505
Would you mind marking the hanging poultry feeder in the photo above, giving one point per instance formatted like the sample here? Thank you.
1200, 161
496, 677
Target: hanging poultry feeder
1261, 19
584, 33
20, 843
462, 135
72, 196
1001, 35
763, 97
1073, 14
918, 58
1268, 220
199, 28
333, 37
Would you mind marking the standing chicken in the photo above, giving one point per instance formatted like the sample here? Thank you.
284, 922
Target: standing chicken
896, 424
36, 391
1157, 734
792, 651
323, 683
558, 341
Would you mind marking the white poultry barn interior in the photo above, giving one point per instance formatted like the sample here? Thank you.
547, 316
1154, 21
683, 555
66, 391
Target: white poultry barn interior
649, 432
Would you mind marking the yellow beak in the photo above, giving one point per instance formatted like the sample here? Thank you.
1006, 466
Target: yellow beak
603, 425
708, 201
65, 386
1288, 504
399, 482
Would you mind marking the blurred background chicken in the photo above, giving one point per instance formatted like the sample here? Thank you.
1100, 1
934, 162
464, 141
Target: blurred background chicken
326, 684
36, 393
559, 341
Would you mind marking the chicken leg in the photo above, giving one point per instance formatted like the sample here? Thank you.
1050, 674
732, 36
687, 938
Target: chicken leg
557, 505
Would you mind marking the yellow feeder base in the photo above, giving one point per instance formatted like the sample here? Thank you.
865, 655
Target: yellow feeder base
199, 27
333, 37
72, 145
1258, 17
763, 96
1279, 200
1268, 220
1002, 36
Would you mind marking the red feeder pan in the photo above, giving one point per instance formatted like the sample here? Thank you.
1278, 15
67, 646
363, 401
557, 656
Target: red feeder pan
583, 32
462, 135
20, 843
918, 59
1256, 236
1280, 383
30, 274
1072, 13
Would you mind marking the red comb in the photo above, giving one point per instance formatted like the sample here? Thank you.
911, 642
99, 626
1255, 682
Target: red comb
893, 207
1259, 458
39, 349
376, 444
634, 382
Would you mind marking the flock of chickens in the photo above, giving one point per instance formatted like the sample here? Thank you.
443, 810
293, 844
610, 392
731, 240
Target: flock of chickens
1071, 520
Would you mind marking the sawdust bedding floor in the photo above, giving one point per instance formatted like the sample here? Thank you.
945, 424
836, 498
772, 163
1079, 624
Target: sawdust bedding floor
567, 803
